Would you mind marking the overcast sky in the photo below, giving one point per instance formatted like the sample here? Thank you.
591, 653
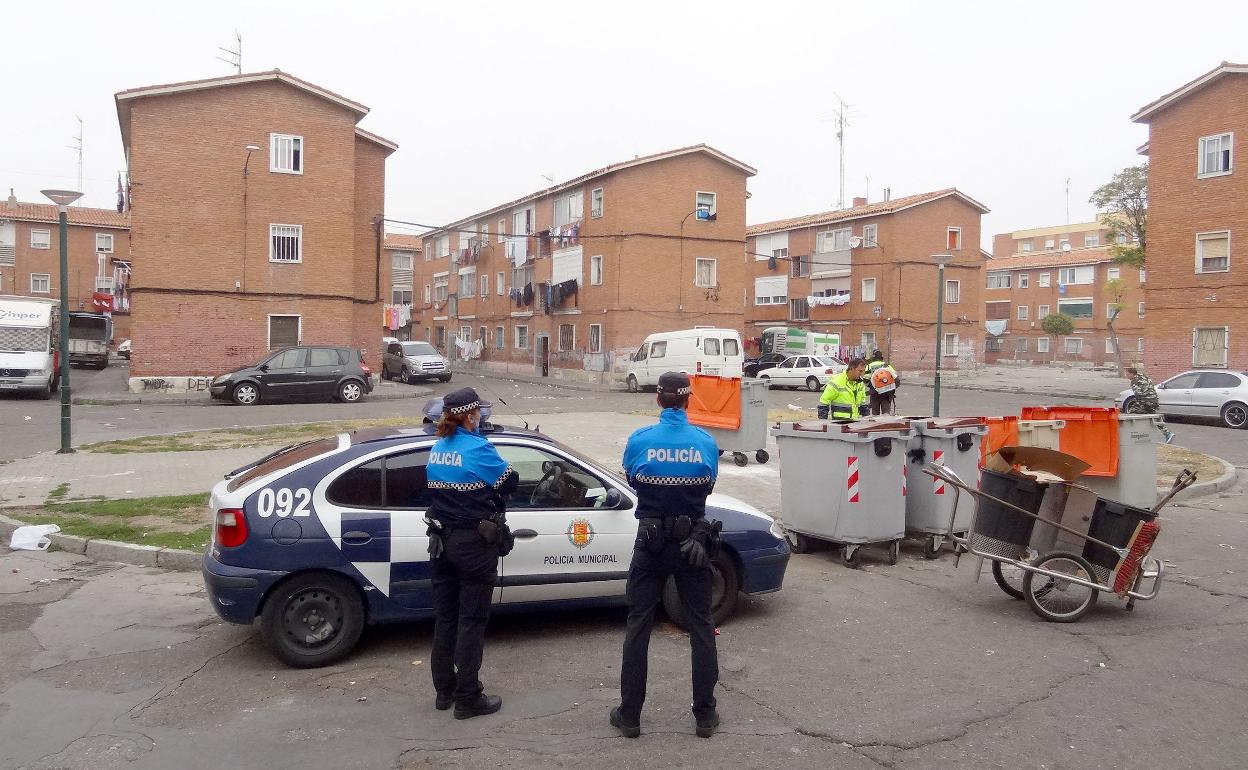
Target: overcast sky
1003, 100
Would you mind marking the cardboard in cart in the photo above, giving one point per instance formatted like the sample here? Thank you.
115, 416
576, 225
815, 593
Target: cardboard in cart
1044, 465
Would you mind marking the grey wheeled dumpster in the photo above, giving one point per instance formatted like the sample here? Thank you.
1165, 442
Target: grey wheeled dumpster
953, 442
751, 436
844, 483
1136, 481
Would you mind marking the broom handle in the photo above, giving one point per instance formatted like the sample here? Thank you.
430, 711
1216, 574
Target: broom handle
1184, 480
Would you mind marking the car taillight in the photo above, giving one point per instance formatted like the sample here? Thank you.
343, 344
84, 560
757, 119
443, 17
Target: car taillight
829, 371
367, 371
231, 527
699, 369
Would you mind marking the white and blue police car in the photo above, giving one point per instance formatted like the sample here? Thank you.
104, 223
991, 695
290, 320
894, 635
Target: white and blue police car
321, 538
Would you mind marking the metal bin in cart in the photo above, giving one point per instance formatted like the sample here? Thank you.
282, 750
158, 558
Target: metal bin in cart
843, 483
1136, 481
734, 412
954, 443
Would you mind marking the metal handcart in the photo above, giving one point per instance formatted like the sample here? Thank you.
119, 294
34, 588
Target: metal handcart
1060, 585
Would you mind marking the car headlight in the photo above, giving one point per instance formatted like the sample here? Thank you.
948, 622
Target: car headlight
221, 379
777, 530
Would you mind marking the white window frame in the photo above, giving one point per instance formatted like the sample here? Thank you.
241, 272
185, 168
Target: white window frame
839, 240
1049, 244
567, 208
1078, 351
1139, 344
1043, 280
1109, 346
298, 236
958, 241
1200, 258
1042, 312
794, 315
485, 285
997, 276
945, 346
521, 334
1026, 247
500, 282
1091, 240
444, 245
595, 338
47, 239
47, 282
868, 340
1023, 312
868, 296
268, 327
697, 200
1143, 275
428, 294
502, 227
1226, 345
1024, 280
595, 270
1113, 274
500, 338
1109, 310
106, 238
870, 236
596, 200
1140, 309
1090, 301
275, 156
407, 258
1201, 171
1042, 344
954, 297
559, 338
697, 264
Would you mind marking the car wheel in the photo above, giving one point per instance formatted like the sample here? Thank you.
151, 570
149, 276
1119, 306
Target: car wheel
350, 391
767, 381
53, 387
385, 372
1128, 407
632, 384
812, 383
312, 620
405, 376
444, 378
725, 585
1235, 415
245, 394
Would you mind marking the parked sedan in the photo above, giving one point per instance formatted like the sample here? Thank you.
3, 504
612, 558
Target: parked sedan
298, 374
812, 372
1212, 393
412, 361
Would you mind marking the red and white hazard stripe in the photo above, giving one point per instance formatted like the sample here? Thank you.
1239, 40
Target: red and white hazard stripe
938, 486
905, 473
851, 481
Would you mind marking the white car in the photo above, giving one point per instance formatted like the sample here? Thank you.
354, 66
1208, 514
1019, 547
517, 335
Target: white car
1213, 393
811, 372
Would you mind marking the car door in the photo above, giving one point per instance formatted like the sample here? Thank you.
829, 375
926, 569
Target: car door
1174, 396
324, 369
285, 375
569, 545
392, 361
1212, 390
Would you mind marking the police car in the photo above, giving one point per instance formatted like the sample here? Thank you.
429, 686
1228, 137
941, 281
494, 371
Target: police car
320, 538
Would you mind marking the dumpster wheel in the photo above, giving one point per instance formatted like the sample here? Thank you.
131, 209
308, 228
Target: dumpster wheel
932, 546
800, 543
851, 555
894, 551
762, 456
740, 459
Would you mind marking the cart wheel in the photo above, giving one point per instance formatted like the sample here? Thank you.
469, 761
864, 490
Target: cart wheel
1009, 578
894, 551
762, 456
1057, 600
740, 459
851, 556
802, 543
931, 547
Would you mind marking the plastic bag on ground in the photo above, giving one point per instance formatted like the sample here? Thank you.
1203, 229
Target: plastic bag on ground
33, 537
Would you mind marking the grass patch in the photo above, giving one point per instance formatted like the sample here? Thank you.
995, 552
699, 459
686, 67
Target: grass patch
243, 438
58, 493
171, 506
1171, 459
178, 521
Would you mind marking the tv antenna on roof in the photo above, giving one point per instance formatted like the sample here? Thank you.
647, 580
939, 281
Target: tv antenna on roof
78, 147
235, 54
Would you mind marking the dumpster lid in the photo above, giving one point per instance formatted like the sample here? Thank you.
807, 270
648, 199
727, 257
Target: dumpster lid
945, 423
1041, 464
842, 430
873, 424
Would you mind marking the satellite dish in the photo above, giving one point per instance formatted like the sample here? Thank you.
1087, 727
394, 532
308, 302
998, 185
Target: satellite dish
855, 242
1066, 246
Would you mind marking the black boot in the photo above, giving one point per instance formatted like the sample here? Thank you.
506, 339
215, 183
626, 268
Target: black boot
627, 728
707, 724
482, 705
443, 702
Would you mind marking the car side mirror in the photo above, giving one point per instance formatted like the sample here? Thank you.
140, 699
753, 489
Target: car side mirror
548, 466
1161, 386
614, 498
263, 367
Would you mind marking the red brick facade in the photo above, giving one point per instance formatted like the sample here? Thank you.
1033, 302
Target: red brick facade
1197, 310
210, 274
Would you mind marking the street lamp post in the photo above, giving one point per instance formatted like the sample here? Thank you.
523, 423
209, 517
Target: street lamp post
62, 199
941, 260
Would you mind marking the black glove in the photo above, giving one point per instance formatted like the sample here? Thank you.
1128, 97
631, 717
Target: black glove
693, 551
437, 546
706, 532
822, 411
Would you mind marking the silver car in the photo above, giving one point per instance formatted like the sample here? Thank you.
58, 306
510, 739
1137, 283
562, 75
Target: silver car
1215, 393
412, 361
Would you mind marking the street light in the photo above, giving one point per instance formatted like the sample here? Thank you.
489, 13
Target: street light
941, 260
704, 215
62, 199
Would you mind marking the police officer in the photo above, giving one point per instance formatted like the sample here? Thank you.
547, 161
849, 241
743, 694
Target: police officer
467, 482
882, 389
673, 466
845, 394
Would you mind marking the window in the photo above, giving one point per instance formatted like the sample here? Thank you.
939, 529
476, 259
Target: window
285, 243
595, 203
868, 290
1074, 346
799, 309
870, 234
467, 282
1113, 274
1068, 276
522, 337
1024, 280
833, 240
1140, 311
1021, 345
798, 267
868, 340
595, 270
595, 338
485, 286
401, 296
500, 283
465, 333
104, 243
568, 208
1213, 252
704, 275
710, 346
359, 487
1091, 240
400, 261
1139, 344
953, 238
731, 348
1024, 311
579, 490
1042, 311
1049, 243
567, 336
502, 225
1109, 346
950, 348
441, 287
500, 338
40, 283
1209, 346
428, 294
999, 280
658, 349
439, 333
997, 311
1215, 155
992, 344
1042, 344
1110, 308
953, 292
40, 239
483, 335
324, 357
286, 153
1025, 247
444, 246
1217, 380
1042, 280
705, 201
1143, 275
771, 290
1064, 244
284, 331
1076, 308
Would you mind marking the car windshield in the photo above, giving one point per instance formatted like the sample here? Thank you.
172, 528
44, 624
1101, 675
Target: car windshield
827, 361
593, 464
419, 349
284, 458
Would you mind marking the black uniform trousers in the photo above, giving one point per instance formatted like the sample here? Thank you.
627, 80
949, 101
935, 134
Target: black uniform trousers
882, 403
646, 577
463, 584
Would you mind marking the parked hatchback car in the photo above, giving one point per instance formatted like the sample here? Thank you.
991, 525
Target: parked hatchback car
811, 372
298, 374
412, 361
1212, 393
767, 360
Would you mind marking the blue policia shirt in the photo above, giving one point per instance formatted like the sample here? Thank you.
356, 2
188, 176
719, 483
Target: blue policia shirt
672, 465
465, 473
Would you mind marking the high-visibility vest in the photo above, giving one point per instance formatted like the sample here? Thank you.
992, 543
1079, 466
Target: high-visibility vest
844, 398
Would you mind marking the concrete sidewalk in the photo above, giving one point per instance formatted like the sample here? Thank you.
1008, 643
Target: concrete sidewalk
383, 390
1098, 385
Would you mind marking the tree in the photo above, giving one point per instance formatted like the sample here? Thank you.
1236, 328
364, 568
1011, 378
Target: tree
1058, 325
1124, 201
1114, 289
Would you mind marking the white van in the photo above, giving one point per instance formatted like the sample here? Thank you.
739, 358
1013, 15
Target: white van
28, 355
700, 350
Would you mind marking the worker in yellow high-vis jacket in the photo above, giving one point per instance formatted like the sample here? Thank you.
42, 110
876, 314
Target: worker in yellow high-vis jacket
845, 396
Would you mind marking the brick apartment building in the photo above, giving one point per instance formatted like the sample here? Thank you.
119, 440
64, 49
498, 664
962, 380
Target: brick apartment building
256, 222
401, 254
1045, 240
99, 257
867, 273
1020, 290
1197, 217
567, 281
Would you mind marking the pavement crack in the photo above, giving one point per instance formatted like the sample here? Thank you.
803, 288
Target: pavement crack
165, 692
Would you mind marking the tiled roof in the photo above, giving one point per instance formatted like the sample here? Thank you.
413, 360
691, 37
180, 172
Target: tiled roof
402, 241
1088, 256
234, 80
1152, 108
869, 210
78, 215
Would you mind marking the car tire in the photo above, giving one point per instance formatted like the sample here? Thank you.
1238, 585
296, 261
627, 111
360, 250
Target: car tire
53, 386
245, 394
767, 381
632, 384
1235, 415
812, 383
405, 376
385, 373
725, 586
1127, 406
297, 604
350, 391
444, 378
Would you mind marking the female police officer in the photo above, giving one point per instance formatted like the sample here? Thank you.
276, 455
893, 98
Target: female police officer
467, 481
